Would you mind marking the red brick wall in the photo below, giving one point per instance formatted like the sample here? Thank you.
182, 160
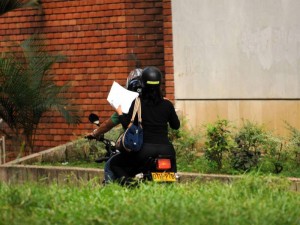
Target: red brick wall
97, 36
168, 49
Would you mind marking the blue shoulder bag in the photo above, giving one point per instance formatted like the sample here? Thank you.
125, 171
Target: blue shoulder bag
132, 139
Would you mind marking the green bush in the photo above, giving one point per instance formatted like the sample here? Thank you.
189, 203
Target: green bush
294, 143
250, 140
87, 150
218, 142
185, 142
276, 154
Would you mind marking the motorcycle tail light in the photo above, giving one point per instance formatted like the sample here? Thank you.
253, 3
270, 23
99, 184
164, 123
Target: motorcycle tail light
163, 164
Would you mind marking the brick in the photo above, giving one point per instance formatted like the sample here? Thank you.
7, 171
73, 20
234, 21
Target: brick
144, 5
170, 90
145, 17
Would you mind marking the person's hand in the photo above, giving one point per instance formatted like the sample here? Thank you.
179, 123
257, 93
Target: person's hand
90, 136
119, 110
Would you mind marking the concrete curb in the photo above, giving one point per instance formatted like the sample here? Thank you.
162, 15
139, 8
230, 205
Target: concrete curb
18, 174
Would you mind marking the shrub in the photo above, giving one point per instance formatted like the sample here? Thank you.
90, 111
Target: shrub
185, 142
218, 142
294, 143
277, 154
87, 150
250, 140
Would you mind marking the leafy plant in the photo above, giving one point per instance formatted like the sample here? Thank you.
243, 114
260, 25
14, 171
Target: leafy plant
250, 140
86, 150
294, 142
9, 5
27, 90
276, 153
185, 142
218, 142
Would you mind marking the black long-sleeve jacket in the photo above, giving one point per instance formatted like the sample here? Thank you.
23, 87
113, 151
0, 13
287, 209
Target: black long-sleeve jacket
155, 120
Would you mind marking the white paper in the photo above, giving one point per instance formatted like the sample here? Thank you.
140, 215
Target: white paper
119, 95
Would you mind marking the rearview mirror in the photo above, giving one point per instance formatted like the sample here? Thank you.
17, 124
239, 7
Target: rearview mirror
93, 118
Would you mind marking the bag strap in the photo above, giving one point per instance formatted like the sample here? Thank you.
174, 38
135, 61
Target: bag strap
136, 110
140, 112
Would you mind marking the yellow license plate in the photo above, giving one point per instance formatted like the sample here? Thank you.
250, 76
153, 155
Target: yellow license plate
165, 176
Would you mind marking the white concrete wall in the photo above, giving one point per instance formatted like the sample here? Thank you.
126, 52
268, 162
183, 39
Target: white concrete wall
236, 49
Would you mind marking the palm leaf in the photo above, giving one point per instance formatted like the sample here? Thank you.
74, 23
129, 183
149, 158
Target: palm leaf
10, 90
27, 90
9, 5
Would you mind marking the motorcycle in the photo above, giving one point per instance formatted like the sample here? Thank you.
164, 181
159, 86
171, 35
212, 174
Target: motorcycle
157, 169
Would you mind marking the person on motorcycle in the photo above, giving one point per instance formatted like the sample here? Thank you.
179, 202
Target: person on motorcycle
157, 114
133, 83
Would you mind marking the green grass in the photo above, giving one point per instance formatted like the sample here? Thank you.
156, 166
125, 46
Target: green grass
79, 163
201, 165
251, 200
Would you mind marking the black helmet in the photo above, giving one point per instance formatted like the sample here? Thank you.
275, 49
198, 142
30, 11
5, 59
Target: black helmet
151, 76
134, 82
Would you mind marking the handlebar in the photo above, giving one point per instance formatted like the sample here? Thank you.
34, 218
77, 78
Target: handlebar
101, 138
109, 146
91, 137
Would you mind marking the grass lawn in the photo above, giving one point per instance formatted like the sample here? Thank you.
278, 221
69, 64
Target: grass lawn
251, 200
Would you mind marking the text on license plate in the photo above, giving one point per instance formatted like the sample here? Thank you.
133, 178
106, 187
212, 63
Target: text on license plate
166, 176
